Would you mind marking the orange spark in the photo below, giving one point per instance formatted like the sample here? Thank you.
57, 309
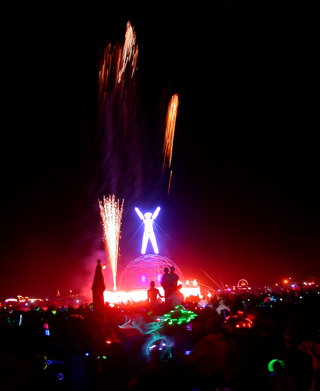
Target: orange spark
169, 182
170, 129
129, 52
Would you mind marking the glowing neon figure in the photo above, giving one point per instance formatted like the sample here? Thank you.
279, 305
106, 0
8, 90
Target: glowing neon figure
148, 219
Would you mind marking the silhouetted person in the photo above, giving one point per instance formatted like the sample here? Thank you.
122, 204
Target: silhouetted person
153, 294
175, 297
164, 282
98, 287
172, 293
172, 280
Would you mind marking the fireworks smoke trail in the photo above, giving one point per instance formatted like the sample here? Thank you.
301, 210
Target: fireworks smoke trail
111, 215
169, 133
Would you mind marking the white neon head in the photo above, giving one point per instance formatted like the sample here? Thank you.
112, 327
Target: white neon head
148, 234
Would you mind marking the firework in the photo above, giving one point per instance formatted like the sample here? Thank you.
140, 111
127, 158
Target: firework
129, 53
105, 73
115, 62
170, 128
111, 215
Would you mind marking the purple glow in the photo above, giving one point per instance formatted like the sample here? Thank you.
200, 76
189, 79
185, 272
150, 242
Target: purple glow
143, 278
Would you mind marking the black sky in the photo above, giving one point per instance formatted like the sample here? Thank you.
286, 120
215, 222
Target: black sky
244, 200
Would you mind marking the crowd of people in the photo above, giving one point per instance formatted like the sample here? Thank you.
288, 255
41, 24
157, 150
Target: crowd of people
238, 342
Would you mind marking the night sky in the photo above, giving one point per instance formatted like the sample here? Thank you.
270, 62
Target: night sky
244, 197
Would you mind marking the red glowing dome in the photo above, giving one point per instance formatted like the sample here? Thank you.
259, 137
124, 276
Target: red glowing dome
144, 269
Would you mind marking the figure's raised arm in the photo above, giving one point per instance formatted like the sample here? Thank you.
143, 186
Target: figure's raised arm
155, 213
139, 213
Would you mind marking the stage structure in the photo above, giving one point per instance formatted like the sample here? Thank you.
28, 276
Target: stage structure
135, 279
146, 268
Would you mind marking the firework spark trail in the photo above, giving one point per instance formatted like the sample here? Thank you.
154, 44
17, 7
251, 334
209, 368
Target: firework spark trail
111, 215
170, 128
169, 182
114, 64
105, 73
129, 52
